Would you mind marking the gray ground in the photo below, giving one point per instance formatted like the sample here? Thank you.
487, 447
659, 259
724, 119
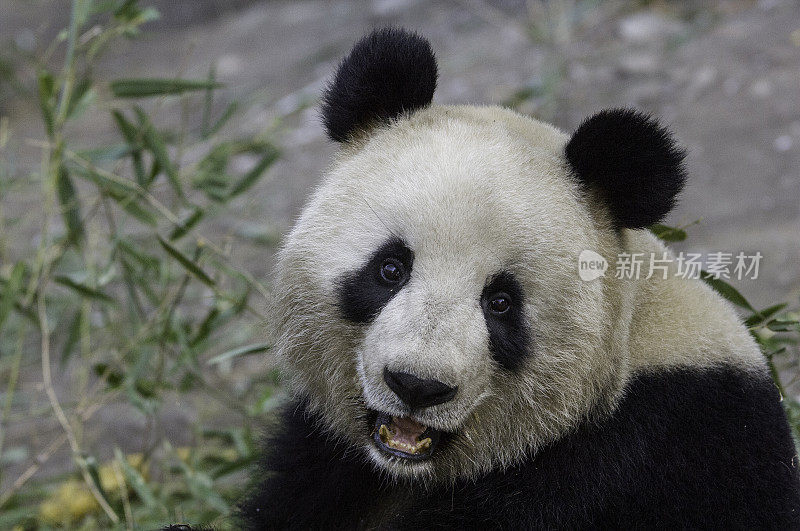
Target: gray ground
727, 80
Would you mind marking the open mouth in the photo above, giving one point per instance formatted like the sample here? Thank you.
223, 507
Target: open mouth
404, 437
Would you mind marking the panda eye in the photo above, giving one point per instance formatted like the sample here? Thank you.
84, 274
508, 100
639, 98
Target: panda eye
499, 303
392, 271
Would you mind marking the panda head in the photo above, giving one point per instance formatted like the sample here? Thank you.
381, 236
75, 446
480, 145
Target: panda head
428, 306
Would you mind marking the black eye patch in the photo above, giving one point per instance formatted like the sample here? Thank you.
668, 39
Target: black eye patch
364, 293
509, 336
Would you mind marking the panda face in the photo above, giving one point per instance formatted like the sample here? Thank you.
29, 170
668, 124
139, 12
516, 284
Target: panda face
428, 301
428, 305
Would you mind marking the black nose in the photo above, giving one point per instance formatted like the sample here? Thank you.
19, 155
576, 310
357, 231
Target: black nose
416, 392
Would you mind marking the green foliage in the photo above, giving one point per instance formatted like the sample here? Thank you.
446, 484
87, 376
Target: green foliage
668, 234
145, 88
126, 292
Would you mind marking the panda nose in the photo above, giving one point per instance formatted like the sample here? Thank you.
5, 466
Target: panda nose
416, 392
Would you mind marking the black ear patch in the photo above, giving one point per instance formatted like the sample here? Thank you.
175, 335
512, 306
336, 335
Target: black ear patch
389, 72
633, 161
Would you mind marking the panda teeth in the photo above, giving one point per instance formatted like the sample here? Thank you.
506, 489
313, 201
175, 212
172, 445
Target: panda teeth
384, 433
386, 436
424, 444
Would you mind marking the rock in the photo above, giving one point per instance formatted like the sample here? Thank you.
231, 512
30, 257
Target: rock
647, 27
761, 88
229, 65
390, 7
783, 143
634, 64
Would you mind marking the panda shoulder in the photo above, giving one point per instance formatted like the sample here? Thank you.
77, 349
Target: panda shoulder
682, 322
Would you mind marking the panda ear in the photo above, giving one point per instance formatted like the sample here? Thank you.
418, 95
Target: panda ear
632, 161
389, 72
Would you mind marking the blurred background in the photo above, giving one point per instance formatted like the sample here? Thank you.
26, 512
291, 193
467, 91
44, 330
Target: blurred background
152, 155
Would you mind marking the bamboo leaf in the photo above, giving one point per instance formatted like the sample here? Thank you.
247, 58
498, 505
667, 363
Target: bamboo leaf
46, 86
80, 98
205, 327
72, 338
233, 466
764, 314
187, 263
94, 474
127, 129
131, 135
70, 205
727, 291
241, 351
211, 176
774, 370
209, 102
140, 394
83, 8
119, 186
668, 234
112, 377
144, 259
136, 481
82, 289
126, 10
123, 192
187, 224
201, 486
222, 120
132, 206
11, 291
154, 142
135, 17
250, 178
783, 325
109, 153
149, 87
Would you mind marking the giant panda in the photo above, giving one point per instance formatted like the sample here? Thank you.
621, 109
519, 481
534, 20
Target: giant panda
448, 366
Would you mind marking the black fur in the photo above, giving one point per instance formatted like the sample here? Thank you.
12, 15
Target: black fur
389, 72
633, 161
509, 336
363, 293
686, 449
310, 481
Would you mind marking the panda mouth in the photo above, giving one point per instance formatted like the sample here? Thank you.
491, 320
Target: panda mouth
404, 437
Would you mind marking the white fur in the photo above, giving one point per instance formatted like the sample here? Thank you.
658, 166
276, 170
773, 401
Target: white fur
474, 191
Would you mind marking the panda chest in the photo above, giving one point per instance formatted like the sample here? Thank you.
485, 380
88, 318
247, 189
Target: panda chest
390, 509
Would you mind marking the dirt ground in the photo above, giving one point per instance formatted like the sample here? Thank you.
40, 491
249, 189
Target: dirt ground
726, 79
